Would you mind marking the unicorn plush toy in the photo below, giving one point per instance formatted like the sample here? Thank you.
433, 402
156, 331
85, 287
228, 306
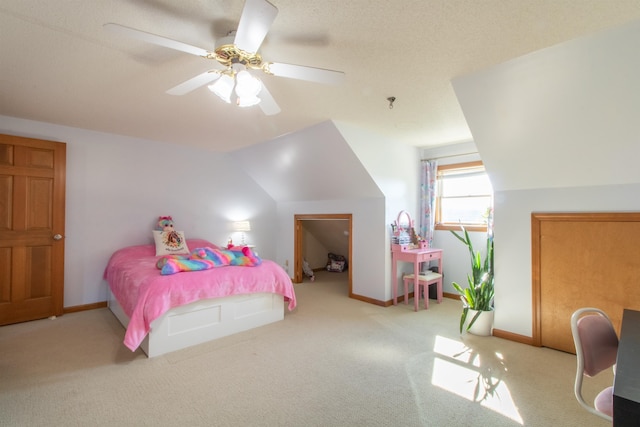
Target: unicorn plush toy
165, 223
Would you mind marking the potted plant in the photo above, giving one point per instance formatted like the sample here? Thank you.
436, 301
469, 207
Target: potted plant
477, 297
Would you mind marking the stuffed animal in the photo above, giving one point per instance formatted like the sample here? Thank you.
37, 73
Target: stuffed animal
206, 258
165, 223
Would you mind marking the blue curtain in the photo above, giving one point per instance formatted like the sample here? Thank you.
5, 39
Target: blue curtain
428, 171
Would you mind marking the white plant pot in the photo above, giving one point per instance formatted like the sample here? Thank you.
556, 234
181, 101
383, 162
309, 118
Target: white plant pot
483, 324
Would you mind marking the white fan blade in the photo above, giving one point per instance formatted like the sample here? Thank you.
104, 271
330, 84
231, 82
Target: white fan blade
194, 83
267, 104
154, 39
300, 72
257, 17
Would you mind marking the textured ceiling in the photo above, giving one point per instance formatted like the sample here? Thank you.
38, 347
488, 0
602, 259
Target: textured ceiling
59, 65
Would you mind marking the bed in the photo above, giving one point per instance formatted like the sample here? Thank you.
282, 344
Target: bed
164, 313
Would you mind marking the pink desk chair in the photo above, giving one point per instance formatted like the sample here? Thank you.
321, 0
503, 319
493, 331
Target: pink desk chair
596, 350
424, 280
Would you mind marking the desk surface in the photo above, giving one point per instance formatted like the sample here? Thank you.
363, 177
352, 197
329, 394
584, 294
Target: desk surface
626, 389
416, 256
419, 251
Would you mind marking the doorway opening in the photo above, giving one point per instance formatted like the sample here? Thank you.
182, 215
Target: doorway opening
298, 237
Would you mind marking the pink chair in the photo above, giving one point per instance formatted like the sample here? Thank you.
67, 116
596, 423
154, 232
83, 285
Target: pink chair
424, 280
596, 350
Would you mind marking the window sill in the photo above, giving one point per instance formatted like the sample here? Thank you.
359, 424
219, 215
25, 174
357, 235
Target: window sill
456, 227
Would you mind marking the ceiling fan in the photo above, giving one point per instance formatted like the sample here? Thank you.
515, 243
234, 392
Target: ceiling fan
236, 55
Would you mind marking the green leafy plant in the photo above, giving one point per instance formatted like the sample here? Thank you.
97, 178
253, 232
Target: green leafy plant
478, 295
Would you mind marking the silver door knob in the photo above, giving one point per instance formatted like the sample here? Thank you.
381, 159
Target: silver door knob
57, 237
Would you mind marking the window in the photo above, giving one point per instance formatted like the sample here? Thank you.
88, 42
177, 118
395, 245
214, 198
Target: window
464, 197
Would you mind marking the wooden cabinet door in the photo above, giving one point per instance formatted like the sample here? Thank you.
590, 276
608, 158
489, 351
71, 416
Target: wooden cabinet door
32, 209
584, 259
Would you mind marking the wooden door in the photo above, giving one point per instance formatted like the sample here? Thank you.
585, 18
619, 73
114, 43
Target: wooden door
582, 260
32, 203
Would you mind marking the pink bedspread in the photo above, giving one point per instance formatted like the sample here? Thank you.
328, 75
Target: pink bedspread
145, 294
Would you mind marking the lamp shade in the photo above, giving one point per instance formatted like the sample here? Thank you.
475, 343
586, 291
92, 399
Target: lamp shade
223, 87
246, 84
242, 226
246, 101
247, 89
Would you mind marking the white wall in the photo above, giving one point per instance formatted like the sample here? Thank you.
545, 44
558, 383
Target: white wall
456, 264
565, 116
117, 187
368, 261
312, 164
337, 168
557, 131
395, 168
315, 253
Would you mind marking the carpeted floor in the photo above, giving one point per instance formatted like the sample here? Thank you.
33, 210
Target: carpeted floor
333, 361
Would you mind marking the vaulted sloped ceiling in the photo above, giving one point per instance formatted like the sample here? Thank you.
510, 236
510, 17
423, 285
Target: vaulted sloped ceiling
565, 116
332, 234
313, 164
60, 66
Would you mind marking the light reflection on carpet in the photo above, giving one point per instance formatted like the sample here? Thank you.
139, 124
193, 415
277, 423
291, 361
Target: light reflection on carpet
474, 375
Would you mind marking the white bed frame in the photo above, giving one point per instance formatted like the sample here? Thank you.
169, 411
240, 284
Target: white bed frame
205, 320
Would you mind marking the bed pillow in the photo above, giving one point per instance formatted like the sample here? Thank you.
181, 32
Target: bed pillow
170, 242
201, 243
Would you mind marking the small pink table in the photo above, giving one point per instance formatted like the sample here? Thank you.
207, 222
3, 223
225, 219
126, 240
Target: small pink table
416, 256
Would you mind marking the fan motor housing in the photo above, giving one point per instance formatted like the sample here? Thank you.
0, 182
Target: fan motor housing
229, 54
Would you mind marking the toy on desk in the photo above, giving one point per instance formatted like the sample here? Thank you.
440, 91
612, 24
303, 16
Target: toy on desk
415, 239
405, 233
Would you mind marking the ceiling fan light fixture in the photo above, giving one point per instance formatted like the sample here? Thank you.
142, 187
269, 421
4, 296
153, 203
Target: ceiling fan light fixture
237, 52
223, 87
247, 89
247, 85
248, 101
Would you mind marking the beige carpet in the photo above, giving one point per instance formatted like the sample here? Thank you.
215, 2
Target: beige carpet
333, 361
